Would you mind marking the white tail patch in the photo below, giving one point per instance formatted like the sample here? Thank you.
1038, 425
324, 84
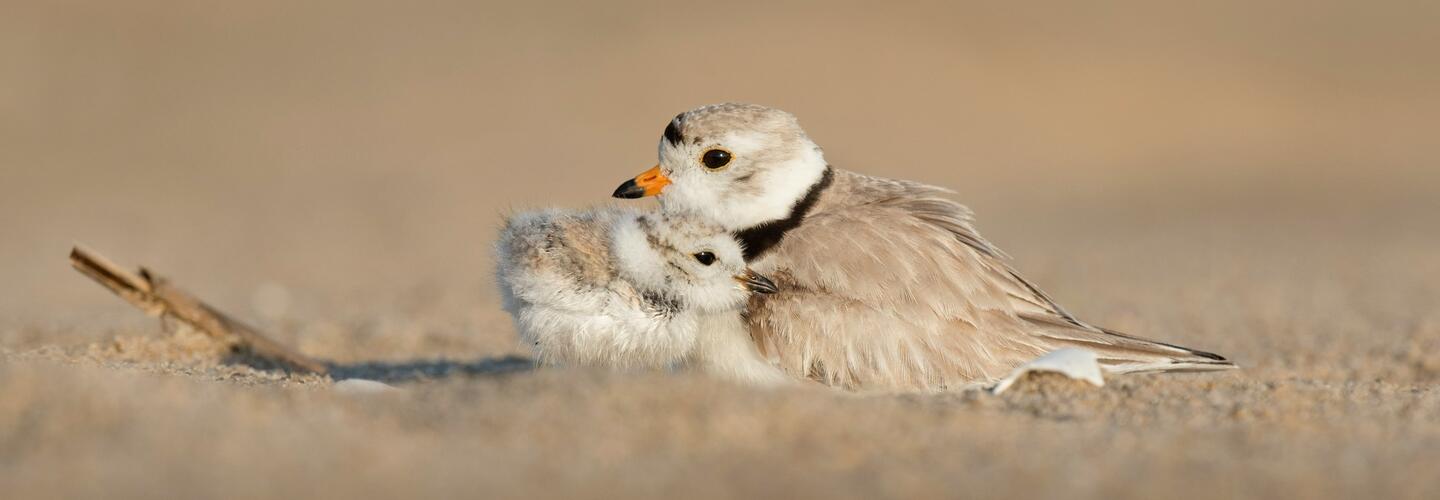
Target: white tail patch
1072, 362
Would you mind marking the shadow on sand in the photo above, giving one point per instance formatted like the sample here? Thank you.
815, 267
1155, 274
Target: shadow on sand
400, 371
410, 371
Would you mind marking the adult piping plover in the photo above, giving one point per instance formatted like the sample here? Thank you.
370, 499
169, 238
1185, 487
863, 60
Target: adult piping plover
616, 288
886, 284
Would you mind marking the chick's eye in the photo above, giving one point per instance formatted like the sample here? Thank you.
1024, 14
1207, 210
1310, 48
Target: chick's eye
715, 158
706, 258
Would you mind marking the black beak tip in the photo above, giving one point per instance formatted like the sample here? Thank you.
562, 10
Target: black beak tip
629, 190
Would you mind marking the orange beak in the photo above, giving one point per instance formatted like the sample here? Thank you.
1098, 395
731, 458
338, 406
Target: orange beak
649, 183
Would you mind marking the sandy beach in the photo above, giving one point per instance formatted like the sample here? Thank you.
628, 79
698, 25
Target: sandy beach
1254, 180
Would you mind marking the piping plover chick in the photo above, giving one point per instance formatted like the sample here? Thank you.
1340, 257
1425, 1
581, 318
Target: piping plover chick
886, 284
616, 288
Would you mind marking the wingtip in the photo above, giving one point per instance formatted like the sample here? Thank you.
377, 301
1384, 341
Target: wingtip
1209, 355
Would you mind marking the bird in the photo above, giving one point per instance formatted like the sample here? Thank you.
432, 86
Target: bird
627, 290
886, 284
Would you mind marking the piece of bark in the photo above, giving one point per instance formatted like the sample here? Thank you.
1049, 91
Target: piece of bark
157, 297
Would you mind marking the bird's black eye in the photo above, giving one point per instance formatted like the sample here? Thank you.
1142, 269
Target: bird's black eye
706, 258
715, 158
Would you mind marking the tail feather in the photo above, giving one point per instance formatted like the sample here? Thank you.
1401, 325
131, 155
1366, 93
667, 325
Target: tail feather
1121, 353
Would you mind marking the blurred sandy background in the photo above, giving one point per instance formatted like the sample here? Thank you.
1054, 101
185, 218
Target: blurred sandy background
1257, 179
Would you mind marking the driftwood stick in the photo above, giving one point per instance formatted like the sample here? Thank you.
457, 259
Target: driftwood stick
158, 297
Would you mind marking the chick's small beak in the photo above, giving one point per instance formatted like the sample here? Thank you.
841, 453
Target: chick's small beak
649, 183
757, 283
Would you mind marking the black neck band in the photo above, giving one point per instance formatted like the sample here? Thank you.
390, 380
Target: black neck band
761, 238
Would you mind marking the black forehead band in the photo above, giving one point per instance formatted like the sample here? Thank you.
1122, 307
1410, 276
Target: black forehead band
672, 131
